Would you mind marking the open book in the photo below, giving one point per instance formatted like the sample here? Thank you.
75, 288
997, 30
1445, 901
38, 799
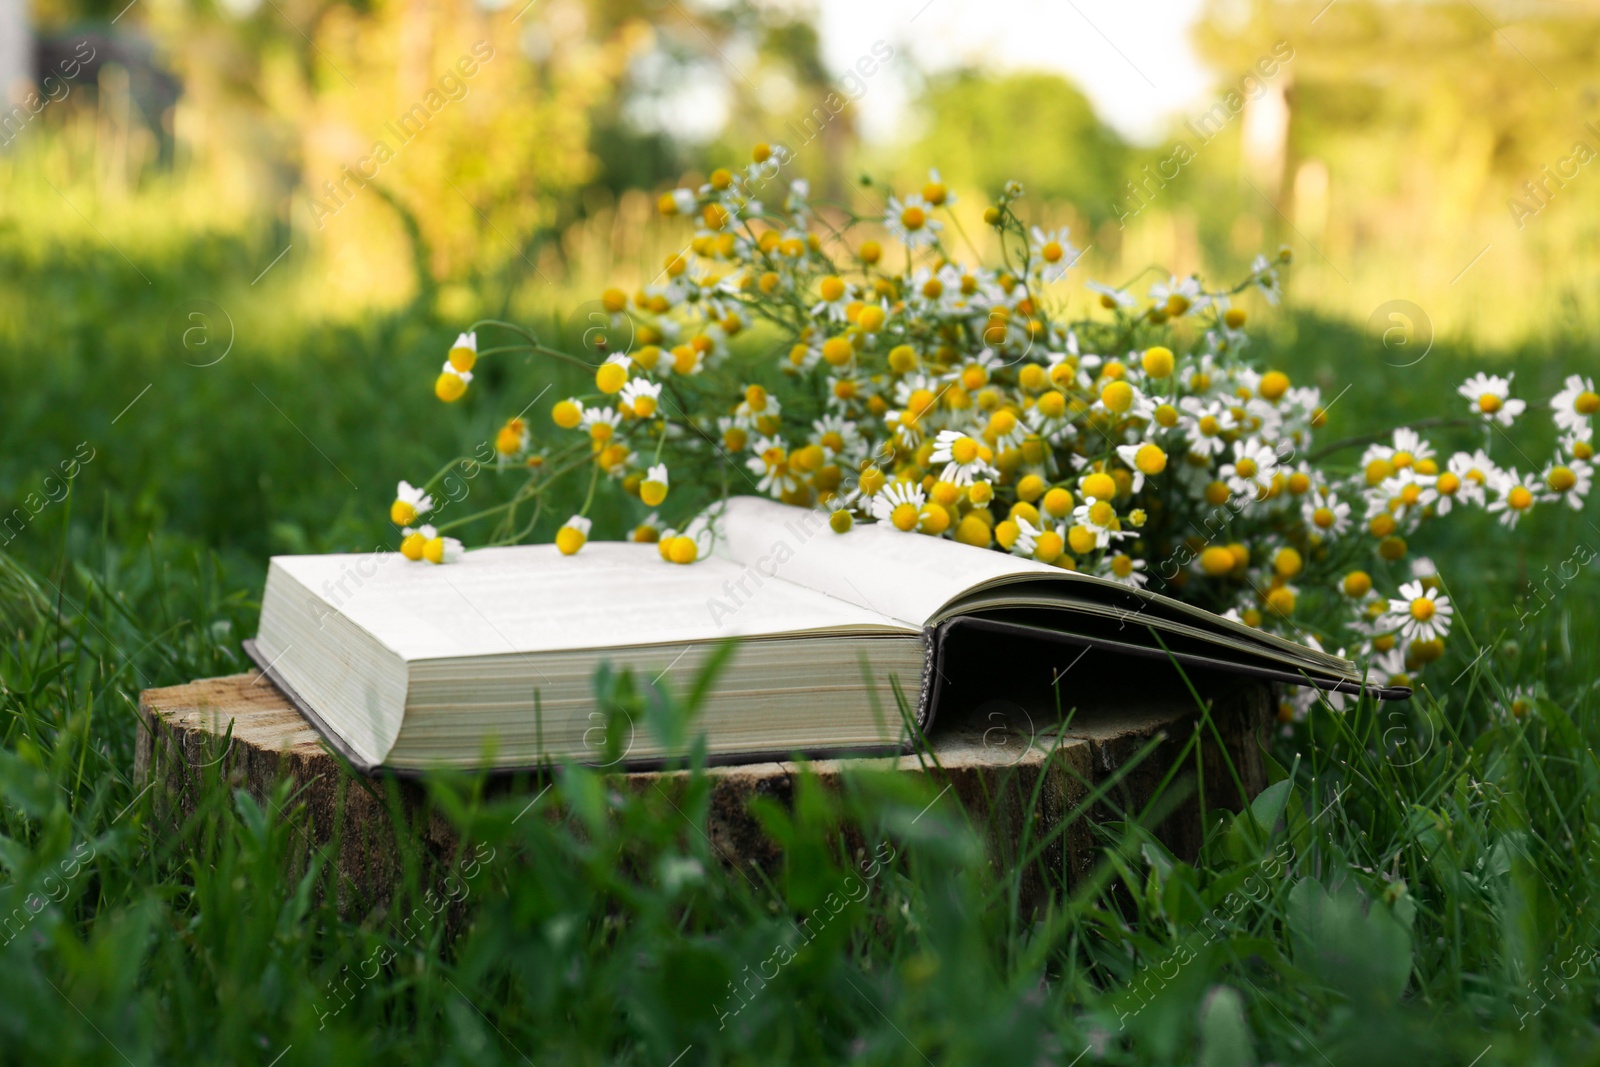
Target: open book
404, 666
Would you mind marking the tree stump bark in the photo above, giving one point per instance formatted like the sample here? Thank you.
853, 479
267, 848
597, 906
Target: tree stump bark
1033, 787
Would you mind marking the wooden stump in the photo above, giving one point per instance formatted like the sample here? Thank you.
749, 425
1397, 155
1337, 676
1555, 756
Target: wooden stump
1001, 761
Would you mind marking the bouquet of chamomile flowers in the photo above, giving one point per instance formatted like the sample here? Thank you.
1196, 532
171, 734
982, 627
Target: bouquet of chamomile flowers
856, 365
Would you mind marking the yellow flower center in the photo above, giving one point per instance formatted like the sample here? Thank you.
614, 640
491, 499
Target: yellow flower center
1447, 484
837, 351
1410, 494
1323, 517
1488, 403
463, 358
1118, 396
1216, 561
913, 218
411, 546
1121, 565
1520, 498
1051, 252
1561, 479
1273, 384
1402, 460
1378, 470
1082, 539
433, 551
1158, 361
1210, 426
1102, 514
1150, 459
1587, 403
1099, 485
832, 288
611, 377
964, 451
402, 513
1422, 608
449, 387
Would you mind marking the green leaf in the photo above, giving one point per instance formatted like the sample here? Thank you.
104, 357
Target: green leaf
1224, 1031
1359, 950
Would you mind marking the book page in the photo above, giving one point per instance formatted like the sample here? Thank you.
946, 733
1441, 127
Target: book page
909, 578
530, 598
897, 576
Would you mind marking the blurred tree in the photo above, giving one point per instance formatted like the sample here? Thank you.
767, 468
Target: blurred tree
1037, 128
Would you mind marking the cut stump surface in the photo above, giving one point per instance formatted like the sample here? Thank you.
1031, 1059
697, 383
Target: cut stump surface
1000, 761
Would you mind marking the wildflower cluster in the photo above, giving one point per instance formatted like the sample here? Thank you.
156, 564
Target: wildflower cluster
855, 364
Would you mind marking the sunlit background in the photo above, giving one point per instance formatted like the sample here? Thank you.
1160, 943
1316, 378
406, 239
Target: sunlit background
322, 192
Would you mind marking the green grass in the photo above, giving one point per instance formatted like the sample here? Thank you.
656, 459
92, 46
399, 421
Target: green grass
1418, 889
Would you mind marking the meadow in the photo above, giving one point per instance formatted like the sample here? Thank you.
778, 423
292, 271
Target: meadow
1416, 887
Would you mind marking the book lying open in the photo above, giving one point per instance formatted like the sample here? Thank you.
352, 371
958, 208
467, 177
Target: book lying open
404, 666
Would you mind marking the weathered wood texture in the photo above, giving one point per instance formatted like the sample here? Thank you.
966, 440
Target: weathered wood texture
1000, 762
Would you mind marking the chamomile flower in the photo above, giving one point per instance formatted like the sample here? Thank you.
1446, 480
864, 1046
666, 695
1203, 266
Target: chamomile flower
1420, 613
1579, 444
1514, 495
911, 221
900, 505
451, 385
1055, 253
758, 405
1404, 494
1099, 518
600, 424
1250, 473
413, 541
1467, 478
1409, 449
653, 490
463, 355
1204, 423
1576, 403
1324, 513
511, 439
1268, 280
771, 461
573, 535
1567, 481
1489, 396
1176, 296
835, 296
409, 502
936, 192
1026, 540
640, 398
436, 549
1126, 570
1006, 430
1111, 297
1146, 459
1520, 703
963, 457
